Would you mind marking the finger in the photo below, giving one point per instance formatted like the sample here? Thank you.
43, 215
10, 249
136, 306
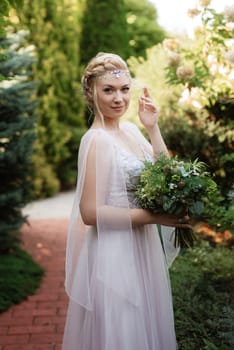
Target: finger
146, 92
148, 99
184, 220
151, 107
184, 226
141, 105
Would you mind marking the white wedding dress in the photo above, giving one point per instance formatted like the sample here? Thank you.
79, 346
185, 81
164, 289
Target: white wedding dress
117, 276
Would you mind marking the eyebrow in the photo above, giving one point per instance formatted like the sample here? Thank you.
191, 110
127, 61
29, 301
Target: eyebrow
113, 86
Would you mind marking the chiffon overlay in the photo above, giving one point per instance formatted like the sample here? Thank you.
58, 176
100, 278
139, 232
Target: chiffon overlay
116, 275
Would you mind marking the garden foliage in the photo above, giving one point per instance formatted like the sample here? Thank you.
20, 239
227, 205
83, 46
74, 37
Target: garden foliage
103, 28
202, 287
143, 28
17, 135
54, 31
204, 71
196, 104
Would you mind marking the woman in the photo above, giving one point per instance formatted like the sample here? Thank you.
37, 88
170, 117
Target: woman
116, 267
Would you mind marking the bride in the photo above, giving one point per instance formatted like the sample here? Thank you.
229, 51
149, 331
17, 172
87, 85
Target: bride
116, 267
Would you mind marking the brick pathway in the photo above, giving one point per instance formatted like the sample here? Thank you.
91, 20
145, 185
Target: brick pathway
38, 322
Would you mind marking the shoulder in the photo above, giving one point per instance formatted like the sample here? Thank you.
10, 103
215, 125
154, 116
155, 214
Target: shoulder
94, 136
131, 127
95, 140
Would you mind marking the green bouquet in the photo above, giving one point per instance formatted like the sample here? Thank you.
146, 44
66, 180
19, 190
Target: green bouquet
176, 187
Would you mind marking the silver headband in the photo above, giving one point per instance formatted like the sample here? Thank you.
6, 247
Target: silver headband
116, 73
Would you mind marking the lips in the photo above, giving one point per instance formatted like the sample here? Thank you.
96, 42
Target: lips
118, 108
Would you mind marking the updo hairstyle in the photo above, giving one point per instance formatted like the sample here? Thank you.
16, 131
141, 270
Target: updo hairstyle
98, 66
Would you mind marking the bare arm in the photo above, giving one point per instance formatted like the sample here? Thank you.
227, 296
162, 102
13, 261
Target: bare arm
149, 117
157, 141
88, 197
114, 216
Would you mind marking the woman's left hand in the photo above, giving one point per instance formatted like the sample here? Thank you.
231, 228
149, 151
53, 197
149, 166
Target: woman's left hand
148, 112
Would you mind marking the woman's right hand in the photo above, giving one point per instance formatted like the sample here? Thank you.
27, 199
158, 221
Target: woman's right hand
141, 216
171, 220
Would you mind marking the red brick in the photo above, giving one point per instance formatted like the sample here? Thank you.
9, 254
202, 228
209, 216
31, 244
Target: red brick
50, 305
58, 347
5, 314
45, 320
60, 328
13, 321
15, 339
5, 320
31, 329
46, 339
63, 296
62, 311
3, 330
45, 312
44, 297
26, 304
38, 322
23, 313
29, 347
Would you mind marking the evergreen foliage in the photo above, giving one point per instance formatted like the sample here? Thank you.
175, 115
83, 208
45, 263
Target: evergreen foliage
54, 31
4, 9
17, 135
104, 28
144, 31
20, 276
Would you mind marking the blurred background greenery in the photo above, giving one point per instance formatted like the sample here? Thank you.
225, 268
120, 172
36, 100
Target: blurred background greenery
44, 46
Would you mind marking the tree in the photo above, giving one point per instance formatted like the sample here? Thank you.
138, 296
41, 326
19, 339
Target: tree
54, 31
104, 28
204, 70
17, 135
4, 10
144, 31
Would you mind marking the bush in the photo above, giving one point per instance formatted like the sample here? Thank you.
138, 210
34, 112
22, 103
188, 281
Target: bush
17, 135
20, 276
202, 285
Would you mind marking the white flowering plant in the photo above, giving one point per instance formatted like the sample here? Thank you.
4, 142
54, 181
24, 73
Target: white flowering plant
207, 61
176, 187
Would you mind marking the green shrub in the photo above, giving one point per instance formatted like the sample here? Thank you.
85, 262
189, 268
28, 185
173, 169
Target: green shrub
20, 276
44, 180
202, 285
17, 135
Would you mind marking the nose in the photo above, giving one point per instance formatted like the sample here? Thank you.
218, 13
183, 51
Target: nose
118, 97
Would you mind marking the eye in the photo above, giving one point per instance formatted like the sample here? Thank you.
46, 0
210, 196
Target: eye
108, 90
126, 89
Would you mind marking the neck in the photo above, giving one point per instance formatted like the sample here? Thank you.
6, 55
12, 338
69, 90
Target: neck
111, 125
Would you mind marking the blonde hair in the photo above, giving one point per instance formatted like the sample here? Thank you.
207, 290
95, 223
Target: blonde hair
99, 65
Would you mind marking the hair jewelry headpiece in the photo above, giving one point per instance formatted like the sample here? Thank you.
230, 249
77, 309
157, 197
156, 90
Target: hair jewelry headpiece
116, 73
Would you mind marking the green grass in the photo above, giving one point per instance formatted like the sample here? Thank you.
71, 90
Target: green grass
202, 285
20, 276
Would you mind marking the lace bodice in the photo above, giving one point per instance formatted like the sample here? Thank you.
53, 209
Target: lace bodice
132, 167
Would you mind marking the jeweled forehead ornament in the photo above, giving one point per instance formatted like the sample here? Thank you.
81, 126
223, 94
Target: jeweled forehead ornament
115, 73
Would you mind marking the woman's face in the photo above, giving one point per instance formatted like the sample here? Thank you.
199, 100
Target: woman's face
113, 94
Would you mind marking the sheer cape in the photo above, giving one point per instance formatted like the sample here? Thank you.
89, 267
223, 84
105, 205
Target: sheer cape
116, 263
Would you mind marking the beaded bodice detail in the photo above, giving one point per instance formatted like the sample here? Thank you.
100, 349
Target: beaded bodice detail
132, 167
